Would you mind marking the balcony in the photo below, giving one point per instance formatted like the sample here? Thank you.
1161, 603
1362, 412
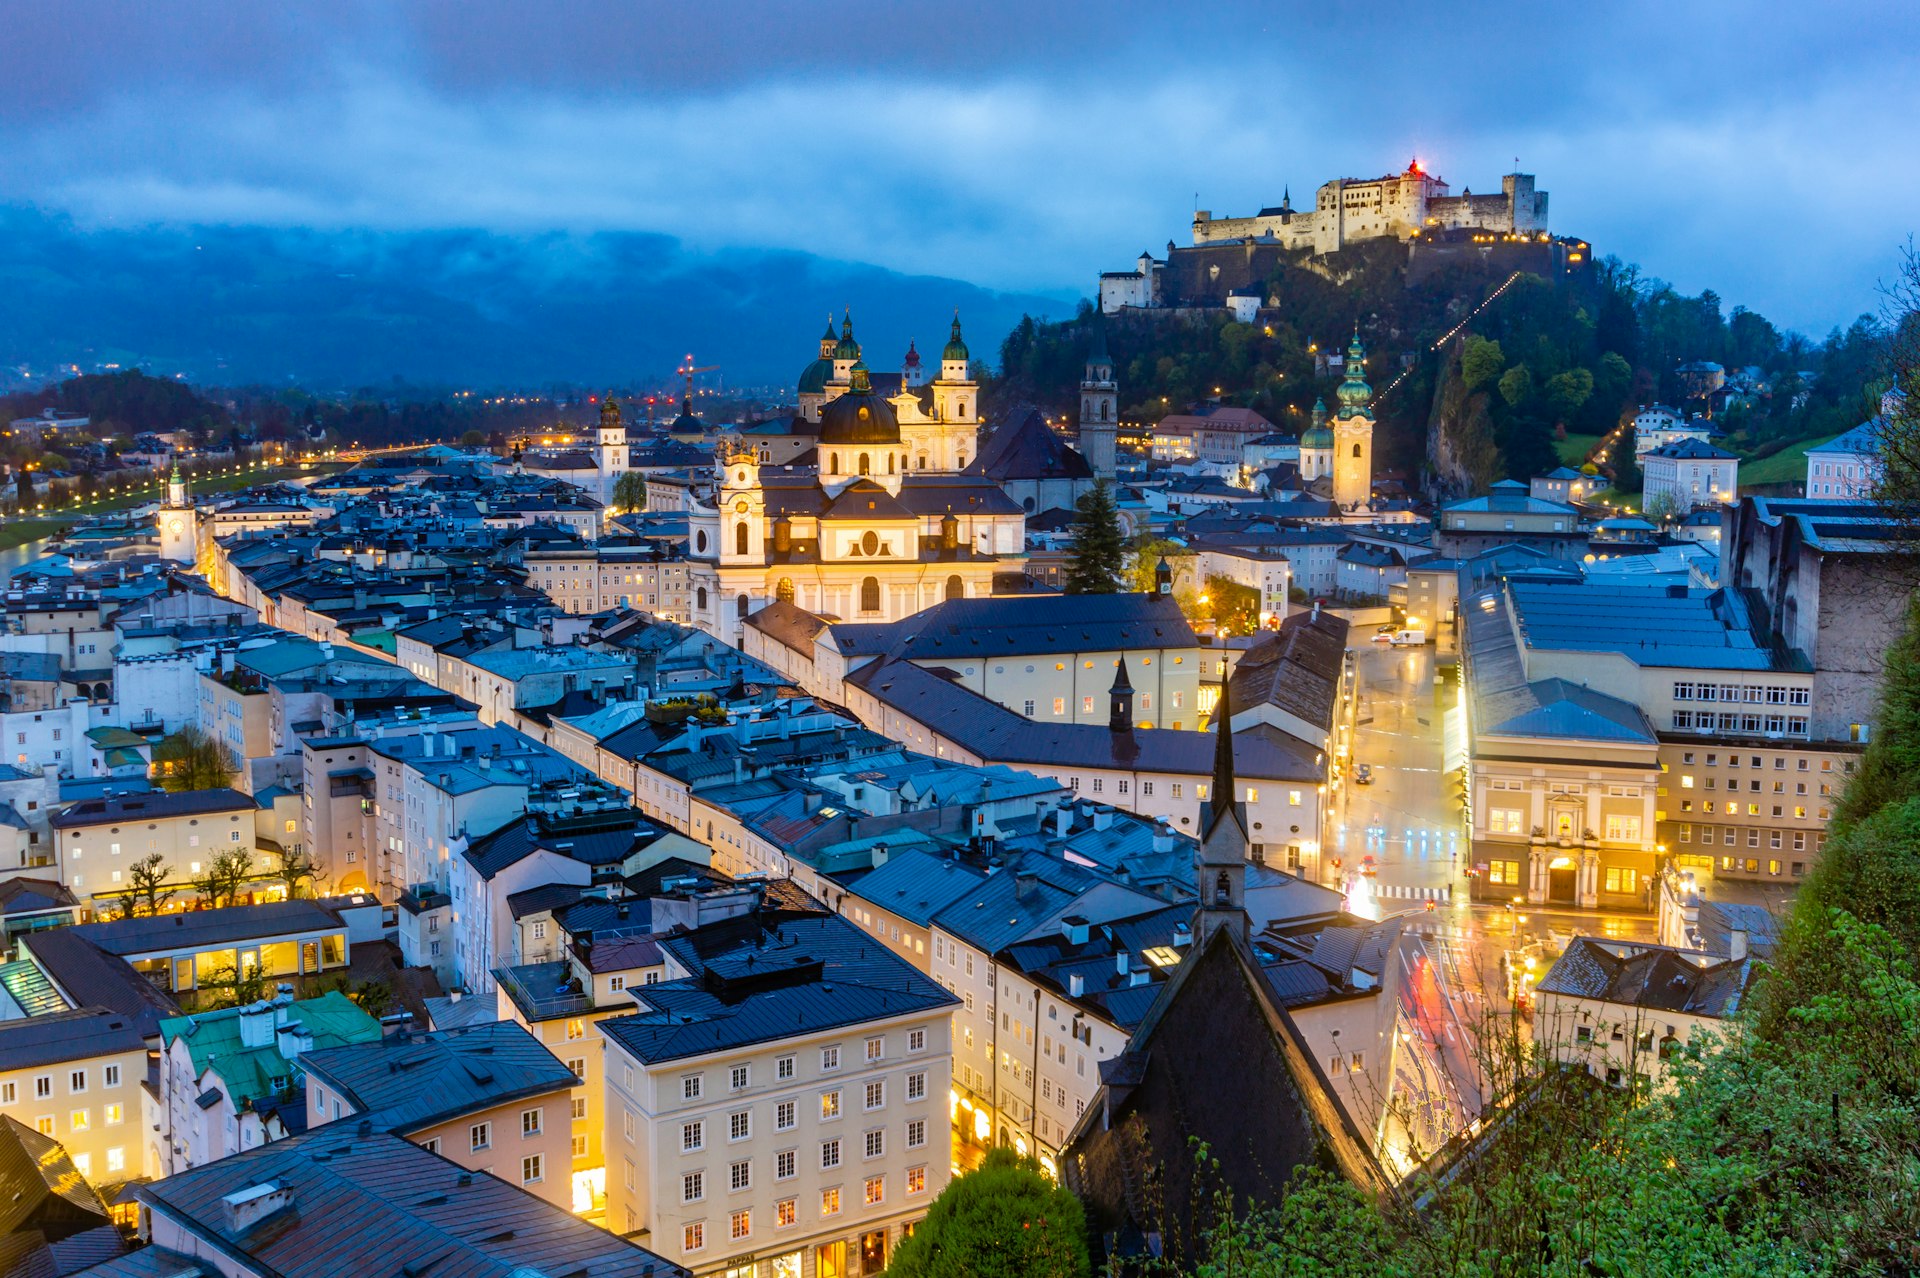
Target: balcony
545, 991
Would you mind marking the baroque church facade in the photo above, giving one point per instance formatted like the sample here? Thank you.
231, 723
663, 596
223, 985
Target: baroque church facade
875, 520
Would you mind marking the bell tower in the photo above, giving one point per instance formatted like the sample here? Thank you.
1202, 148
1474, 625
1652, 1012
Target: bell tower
610, 446
178, 523
1353, 433
956, 402
742, 506
1221, 863
1099, 409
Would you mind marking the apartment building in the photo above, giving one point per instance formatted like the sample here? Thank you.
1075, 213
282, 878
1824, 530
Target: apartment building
780, 1110
488, 1097
78, 1076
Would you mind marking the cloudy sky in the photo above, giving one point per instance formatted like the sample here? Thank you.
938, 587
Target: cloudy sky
1764, 149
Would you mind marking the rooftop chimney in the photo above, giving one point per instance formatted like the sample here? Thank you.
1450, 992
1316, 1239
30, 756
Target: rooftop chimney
1737, 944
245, 1208
1121, 962
1076, 985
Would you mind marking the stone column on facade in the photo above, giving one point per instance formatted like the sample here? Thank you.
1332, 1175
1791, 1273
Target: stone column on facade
1539, 876
1587, 890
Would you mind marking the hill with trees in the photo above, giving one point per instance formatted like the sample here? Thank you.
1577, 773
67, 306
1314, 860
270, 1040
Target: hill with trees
1477, 375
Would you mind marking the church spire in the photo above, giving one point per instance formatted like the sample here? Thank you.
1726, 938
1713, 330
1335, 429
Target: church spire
1220, 794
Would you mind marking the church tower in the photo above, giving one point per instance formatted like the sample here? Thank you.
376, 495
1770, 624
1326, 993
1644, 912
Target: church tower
846, 353
1353, 433
956, 402
1099, 409
912, 372
742, 506
610, 447
1221, 863
1316, 446
179, 525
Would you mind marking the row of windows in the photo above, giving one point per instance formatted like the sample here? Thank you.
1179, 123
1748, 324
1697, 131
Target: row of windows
1749, 694
1712, 760
1730, 836
80, 1120
1730, 807
786, 1162
1771, 724
873, 1096
740, 1077
786, 1212
77, 1083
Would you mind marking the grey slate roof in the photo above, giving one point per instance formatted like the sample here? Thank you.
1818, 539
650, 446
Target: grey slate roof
757, 979
1296, 668
1030, 625
1655, 977
408, 1082
89, 976
598, 841
1023, 446
381, 1195
67, 1036
197, 928
916, 885
152, 806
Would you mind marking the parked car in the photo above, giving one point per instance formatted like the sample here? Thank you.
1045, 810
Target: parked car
1407, 638
1363, 774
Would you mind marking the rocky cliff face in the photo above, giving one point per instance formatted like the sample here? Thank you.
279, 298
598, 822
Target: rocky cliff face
1461, 450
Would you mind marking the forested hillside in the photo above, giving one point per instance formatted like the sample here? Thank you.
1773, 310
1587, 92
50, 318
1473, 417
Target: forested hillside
1507, 386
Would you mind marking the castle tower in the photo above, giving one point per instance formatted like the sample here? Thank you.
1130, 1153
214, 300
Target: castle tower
1220, 865
742, 506
610, 447
956, 402
912, 371
814, 377
179, 525
1099, 409
1353, 433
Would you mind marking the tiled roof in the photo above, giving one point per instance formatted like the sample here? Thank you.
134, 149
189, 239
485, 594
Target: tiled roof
381, 1195
199, 929
1023, 446
409, 1082
756, 980
251, 1073
1297, 668
89, 976
67, 1036
1650, 976
154, 806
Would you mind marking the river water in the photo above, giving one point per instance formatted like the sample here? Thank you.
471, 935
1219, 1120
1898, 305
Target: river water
14, 558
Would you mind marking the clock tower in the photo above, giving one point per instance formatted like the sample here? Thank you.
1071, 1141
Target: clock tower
179, 523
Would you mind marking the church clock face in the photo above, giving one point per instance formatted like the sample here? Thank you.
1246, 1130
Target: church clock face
175, 524
740, 506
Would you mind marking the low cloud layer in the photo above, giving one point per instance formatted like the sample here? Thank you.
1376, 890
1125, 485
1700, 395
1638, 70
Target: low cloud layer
1767, 164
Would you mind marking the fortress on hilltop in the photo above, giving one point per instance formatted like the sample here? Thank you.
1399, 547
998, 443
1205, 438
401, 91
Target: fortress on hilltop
1231, 257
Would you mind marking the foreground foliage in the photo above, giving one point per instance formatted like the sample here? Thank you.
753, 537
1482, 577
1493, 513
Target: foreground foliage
1005, 1219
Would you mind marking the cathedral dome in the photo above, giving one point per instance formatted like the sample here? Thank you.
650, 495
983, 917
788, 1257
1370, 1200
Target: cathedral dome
815, 376
860, 416
1317, 437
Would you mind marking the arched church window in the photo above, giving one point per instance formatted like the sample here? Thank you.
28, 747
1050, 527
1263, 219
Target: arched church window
956, 588
700, 598
1356, 450
1028, 503
889, 463
740, 605
1223, 888
961, 406
742, 539
833, 463
1106, 411
870, 544
870, 594
865, 465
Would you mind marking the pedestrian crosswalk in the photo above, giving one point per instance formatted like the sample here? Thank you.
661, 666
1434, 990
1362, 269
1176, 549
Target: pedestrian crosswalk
1400, 892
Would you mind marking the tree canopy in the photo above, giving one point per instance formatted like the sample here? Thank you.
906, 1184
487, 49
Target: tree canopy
190, 759
1004, 1219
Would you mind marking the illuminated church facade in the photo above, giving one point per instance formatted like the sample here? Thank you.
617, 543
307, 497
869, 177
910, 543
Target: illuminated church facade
874, 522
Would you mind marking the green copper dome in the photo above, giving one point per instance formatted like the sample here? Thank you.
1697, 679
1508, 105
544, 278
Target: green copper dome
1317, 437
1354, 393
956, 349
815, 376
848, 348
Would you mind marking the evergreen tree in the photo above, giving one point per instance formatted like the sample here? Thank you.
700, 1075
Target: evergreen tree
1099, 547
190, 759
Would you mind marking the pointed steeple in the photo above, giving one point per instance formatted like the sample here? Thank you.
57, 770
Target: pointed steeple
1120, 700
1220, 802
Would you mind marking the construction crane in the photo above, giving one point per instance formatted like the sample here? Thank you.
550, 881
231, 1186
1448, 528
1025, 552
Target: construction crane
687, 370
